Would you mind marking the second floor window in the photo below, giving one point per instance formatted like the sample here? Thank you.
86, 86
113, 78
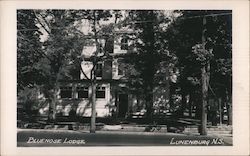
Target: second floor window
66, 92
124, 43
98, 71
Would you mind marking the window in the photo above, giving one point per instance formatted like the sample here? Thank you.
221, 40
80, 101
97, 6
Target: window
82, 92
98, 71
120, 67
124, 43
100, 92
66, 92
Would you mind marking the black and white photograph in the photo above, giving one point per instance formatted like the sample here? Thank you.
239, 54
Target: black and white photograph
124, 78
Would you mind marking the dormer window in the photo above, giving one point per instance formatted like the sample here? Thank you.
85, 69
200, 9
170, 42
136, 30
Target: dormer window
124, 43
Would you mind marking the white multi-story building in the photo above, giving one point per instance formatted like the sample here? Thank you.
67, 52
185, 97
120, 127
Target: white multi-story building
113, 96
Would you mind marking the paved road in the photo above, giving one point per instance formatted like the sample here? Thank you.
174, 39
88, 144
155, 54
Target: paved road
46, 138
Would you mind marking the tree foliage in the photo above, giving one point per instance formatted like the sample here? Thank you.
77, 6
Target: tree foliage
185, 41
28, 50
151, 49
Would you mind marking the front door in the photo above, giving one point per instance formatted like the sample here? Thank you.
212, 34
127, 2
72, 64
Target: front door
123, 105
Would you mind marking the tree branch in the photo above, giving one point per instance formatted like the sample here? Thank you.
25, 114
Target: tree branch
41, 23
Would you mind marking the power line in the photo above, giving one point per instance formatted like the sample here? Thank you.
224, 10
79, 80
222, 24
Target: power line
208, 15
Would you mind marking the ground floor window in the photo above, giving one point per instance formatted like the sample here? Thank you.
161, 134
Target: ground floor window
100, 92
82, 92
66, 92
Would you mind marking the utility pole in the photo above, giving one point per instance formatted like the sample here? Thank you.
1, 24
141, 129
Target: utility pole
205, 82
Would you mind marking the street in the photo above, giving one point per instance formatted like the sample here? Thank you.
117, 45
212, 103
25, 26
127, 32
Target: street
48, 138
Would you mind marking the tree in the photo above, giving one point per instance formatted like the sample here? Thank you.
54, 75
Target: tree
151, 51
62, 51
196, 37
29, 50
42, 63
29, 53
95, 16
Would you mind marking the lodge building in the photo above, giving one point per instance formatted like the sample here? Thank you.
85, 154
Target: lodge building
113, 96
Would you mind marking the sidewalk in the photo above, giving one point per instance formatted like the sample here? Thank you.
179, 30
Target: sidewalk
224, 130
99, 132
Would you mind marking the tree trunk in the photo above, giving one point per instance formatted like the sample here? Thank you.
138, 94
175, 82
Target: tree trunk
230, 114
229, 108
197, 101
93, 78
53, 101
220, 110
183, 104
149, 104
52, 105
93, 107
205, 74
190, 103
203, 128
